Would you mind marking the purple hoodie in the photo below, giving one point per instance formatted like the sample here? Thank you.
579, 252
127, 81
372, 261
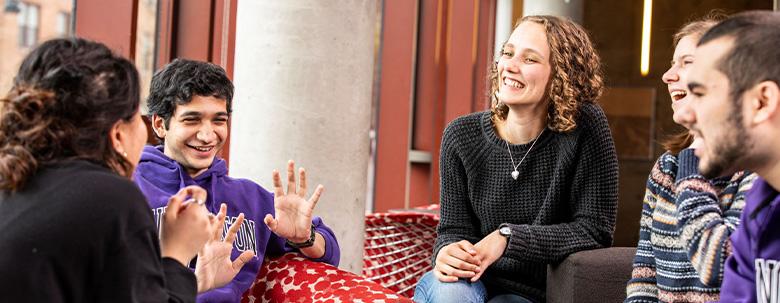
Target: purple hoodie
160, 177
752, 269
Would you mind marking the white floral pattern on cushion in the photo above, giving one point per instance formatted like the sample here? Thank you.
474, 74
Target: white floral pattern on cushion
293, 278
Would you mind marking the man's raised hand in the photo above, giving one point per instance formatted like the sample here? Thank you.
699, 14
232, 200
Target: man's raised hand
293, 210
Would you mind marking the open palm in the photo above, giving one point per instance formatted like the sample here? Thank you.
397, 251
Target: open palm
214, 267
293, 210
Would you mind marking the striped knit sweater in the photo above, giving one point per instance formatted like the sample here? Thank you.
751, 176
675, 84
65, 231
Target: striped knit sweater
684, 231
564, 201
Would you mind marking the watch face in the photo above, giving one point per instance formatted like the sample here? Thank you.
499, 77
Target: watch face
505, 231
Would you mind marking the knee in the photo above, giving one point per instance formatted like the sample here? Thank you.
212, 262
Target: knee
430, 289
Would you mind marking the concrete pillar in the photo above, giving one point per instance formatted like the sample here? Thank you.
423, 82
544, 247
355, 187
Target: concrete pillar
504, 24
568, 8
303, 76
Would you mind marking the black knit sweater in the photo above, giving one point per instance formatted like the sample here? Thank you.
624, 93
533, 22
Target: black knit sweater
564, 200
78, 232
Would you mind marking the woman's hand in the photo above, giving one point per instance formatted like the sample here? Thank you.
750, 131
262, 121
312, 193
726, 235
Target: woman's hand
214, 267
489, 249
187, 225
457, 260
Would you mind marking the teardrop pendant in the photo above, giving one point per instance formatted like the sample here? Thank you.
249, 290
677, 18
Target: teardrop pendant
515, 174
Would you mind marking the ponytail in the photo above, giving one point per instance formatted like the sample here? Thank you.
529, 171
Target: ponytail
26, 135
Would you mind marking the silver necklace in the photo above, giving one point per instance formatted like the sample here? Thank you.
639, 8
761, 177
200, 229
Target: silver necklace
516, 173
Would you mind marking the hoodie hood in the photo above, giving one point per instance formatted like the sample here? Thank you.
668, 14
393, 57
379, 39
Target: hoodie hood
168, 176
168, 168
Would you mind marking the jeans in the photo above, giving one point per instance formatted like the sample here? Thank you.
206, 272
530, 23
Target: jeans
431, 290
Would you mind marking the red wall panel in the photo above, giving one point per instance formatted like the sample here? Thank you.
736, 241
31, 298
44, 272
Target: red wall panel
393, 126
115, 29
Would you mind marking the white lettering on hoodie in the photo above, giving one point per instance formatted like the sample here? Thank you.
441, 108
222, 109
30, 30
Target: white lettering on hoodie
246, 238
767, 280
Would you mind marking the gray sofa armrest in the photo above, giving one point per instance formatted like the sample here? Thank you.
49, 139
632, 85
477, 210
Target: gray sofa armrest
598, 275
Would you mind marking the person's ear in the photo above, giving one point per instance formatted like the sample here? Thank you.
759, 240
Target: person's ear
117, 135
764, 101
158, 125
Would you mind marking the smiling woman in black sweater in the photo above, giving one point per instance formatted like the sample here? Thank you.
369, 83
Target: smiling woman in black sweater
531, 181
74, 227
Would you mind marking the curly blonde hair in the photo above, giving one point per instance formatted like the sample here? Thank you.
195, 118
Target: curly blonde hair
576, 76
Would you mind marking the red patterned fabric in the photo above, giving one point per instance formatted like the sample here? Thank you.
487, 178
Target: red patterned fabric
398, 248
293, 278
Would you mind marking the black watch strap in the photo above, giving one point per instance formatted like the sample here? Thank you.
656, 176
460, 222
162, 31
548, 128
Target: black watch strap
307, 243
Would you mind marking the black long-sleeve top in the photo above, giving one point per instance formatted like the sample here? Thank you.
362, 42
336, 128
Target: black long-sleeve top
564, 200
78, 232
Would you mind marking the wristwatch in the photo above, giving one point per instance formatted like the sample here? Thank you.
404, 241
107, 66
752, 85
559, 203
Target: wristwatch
307, 243
505, 231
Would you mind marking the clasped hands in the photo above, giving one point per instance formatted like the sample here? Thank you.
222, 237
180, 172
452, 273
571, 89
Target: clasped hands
465, 260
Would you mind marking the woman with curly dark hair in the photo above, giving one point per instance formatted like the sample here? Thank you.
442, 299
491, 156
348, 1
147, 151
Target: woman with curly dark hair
530, 181
74, 227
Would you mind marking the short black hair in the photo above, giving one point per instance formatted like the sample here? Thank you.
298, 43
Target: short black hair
177, 82
754, 56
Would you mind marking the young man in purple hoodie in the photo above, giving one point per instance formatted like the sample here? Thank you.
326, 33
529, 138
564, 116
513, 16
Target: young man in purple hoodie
736, 112
190, 105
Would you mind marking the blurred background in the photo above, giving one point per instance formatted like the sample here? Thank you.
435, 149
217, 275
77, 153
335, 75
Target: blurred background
359, 91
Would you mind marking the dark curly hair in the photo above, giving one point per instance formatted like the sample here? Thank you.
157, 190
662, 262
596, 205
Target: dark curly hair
177, 82
576, 75
65, 99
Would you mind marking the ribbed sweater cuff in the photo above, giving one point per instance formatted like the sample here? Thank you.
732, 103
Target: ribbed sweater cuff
518, 242
688, 165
